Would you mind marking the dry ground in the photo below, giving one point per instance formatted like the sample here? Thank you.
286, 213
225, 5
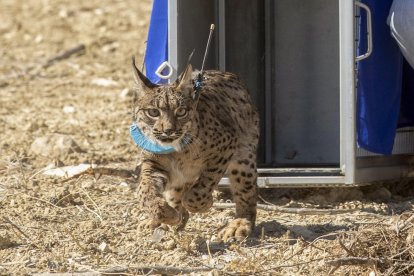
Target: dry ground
87, 225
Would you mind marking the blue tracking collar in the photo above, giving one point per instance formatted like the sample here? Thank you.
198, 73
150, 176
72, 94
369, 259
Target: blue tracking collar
146, 144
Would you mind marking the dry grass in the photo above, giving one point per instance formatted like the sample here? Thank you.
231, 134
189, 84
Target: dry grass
87, 225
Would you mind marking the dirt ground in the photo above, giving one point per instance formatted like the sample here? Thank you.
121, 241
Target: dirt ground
81, 105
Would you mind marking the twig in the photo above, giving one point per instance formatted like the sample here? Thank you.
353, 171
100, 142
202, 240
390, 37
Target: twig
49, 62
120, 203
6, 219
390, 271
208, 249
167, 270
63, 55
93, 212
36, 173
77, 241
97, 172
345, 248
296, 264
44, 201
353, 261
12, 263
98, 214
298, 211
310, 244
265, 201
405, 224
333, 269
402, 252
404, 269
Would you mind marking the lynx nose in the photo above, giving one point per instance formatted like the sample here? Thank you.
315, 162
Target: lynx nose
168, 131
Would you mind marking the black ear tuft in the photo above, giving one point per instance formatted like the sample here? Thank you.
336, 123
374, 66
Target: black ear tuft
141, 78
186, 78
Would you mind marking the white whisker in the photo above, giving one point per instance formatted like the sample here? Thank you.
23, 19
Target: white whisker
193, 144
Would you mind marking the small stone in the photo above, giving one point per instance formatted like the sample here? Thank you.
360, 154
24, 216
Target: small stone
217, 246
32, 126
38, 38
169, 245
98, 11
304, 232
46, 211
410, 236
69, 109
104, 82
158, 234
214, 238
111, 47
103, 247
63, 13
123, 184
142, 23
214, 272
125, 93
6, 242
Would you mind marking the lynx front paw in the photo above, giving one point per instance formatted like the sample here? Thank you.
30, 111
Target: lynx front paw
148, 224
238, 229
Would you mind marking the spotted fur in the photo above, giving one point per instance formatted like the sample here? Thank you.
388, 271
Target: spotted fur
218, 133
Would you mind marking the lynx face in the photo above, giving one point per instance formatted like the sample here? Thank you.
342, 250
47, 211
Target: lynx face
165, 114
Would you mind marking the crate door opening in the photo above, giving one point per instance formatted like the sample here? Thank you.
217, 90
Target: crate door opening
305, 83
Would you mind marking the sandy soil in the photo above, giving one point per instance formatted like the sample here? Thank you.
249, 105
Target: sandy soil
90, 225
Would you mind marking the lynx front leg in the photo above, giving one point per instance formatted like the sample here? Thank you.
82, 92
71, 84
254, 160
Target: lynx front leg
243, 177
153, 181
199, 197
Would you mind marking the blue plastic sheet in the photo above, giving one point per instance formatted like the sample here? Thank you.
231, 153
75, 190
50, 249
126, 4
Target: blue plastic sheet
157, 42
379, 83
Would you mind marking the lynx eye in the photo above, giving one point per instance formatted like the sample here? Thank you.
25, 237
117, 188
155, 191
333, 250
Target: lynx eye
181, 112
152, 112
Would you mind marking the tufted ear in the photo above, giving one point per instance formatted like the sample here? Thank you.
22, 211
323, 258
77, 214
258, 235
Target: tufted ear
140, 78
185, 80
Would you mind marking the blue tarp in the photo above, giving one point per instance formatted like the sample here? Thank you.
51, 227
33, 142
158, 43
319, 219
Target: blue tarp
157, 42
379, 83
385, 99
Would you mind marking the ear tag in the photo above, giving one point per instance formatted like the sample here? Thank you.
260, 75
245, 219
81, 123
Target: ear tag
146, 144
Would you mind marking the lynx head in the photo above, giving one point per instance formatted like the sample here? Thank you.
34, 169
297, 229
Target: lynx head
165, 113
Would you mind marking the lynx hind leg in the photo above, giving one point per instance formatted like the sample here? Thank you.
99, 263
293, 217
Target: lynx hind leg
199, 198
243, 176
